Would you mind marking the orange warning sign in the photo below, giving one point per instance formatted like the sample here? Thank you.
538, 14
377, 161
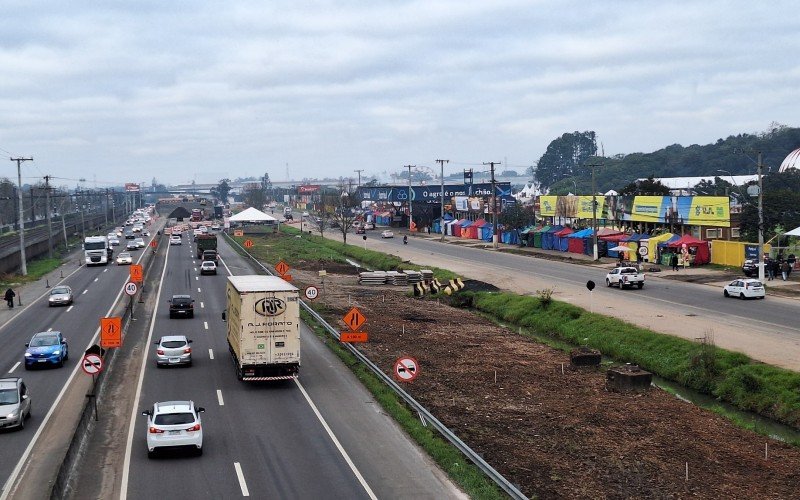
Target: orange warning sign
354, 319
153, 243
353, 337
111, 332
137, 275
248, 243
238, 232
282, 268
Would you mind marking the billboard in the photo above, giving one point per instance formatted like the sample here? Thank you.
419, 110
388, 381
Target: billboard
687, 210
432, 193
131, 187
307, 189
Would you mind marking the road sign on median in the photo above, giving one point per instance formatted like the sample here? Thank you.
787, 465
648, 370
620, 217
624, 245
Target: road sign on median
130, 288
111, 332
92, 364
137, 273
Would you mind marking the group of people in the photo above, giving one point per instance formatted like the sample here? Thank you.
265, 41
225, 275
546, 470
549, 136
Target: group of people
779, 266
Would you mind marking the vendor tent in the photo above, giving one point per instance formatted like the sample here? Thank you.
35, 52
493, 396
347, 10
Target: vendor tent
793, 232
486, 232
560, 241
548, 237
473, 230
575, 241
537, 236
698, 249
252, 215
652, 246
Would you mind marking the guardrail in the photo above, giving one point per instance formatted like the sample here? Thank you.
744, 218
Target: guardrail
487, 469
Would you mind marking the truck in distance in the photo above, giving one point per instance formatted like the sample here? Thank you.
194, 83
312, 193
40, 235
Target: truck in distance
263, 322
205, 242
96, 250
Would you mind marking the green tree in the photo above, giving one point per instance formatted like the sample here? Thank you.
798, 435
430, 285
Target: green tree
781, 202
565, 157
516, 216
253, 195
647, 186
221, 190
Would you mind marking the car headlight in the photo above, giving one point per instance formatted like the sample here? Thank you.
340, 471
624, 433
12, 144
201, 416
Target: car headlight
14, 414
27, 355
56, 353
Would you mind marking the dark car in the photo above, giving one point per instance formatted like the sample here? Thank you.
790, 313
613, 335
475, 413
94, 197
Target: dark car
181, 305
750, 268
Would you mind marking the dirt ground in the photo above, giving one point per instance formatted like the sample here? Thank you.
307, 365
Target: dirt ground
554, 434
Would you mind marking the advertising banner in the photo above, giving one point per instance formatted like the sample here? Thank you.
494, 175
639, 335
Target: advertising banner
432, 193
131, 187
573, 207
307, 189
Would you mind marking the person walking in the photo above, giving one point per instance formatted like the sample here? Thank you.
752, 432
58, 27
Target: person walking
10, 297
673, 261
770, 269
776, 267
785, 267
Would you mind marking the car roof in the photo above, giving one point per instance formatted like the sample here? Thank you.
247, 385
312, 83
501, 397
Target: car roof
173, 406
9, 382
173, 337
47, 334
749, 280
209, 262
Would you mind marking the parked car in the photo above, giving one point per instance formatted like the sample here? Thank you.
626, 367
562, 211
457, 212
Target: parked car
175, 240
124, 258
60, 295
181, 305
173, 424
387, 234
745, 289
208, 267
15, 403
750, 267
625, 276
173, 350
46, 349
369, 225
360, 230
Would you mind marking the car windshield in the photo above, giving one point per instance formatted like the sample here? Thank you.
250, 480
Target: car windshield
9, 396
172, 344
59, 291
174, 418
44, 341
124, 255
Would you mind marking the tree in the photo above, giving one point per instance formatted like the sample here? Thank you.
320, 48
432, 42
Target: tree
781, 200
344, 214
516, 216
253, 195
647, 186
221, 190
566, 156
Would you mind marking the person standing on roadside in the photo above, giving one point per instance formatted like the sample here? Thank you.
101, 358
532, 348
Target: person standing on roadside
776, 267
673, 261
785, 267
10, 297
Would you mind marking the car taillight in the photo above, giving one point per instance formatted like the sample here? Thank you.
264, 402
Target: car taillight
195, 427
160, 352
154, 430
187, 350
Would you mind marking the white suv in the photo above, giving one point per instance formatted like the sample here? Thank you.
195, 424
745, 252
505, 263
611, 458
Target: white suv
174, 424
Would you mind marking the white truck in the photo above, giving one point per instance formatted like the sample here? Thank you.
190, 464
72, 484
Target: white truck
263, 320
96, 250
625, 276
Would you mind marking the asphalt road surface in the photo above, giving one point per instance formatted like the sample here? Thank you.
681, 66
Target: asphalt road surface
321, 437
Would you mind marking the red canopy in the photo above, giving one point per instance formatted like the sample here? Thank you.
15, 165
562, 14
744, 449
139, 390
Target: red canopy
564, 232
702, 254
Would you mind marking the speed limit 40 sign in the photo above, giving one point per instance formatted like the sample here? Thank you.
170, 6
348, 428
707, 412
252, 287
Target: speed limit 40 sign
311, 292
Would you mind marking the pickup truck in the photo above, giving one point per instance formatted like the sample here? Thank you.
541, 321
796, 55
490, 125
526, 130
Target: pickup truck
625, 276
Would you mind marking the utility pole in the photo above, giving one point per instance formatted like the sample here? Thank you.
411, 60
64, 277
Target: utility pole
441, 217
49, 222
760, 220
113, 204
594, 211
359, 170
79, 197
410, 209
494, 203
106, 207
23, 265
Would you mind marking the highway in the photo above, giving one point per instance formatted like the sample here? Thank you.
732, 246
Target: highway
322, 436
95, 289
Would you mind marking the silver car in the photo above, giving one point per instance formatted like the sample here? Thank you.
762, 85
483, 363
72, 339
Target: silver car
60, 295
15, 403
140, 242
173, 424
173, 350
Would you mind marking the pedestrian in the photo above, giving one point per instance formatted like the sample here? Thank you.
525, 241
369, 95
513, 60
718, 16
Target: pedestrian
673, 261
791, 259
785, 270
10, 297
776, 267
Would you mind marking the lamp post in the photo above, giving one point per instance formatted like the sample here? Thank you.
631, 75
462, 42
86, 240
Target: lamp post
759, 167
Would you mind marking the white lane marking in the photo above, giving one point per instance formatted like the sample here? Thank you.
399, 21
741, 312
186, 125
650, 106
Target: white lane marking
70, 308
202, 306
210, 354
96, 279
84, 292
205, 324
50, 329
336, 442
14, 367
219, 398
240, 477
105, 270
12, 478
195, 269
126, 466
197, 277
198, 289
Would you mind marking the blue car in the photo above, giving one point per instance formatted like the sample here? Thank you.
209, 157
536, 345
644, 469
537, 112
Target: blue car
46, 349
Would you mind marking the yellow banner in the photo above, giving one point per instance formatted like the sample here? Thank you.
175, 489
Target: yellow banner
648, 208
710, 211
573, 207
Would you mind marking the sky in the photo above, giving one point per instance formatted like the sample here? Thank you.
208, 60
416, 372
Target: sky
180, 91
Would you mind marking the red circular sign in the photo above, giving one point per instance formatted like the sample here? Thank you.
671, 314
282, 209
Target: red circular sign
406, 369
92, 364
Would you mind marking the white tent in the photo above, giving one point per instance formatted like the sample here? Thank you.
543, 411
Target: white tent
793, 232
252, 215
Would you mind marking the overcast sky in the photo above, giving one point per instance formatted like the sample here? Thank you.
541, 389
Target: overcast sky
125, 91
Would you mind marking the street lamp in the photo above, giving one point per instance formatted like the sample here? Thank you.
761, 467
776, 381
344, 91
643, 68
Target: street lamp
760, 167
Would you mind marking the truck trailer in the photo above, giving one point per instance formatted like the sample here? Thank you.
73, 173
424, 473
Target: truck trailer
205, 242
263, 320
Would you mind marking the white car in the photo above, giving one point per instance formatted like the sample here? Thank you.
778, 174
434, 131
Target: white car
215, 227
744, 289
175, 240
114, 242
124, 258
173, 424
208, 267
173, 350
140, 242
387, 234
